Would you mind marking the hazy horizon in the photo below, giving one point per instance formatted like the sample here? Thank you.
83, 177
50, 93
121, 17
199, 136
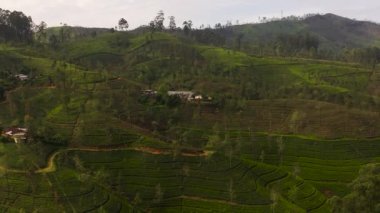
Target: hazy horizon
97, 13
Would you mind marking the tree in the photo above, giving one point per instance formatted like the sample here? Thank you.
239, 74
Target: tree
41, 31
149, 76
238, 40
187, 26
229, 24
280, 149
262, 156
53, 41
365, 195
64, 33
159, 21
172, 24
159, 194
274, 196
22, 24
209, 36
231, 190
2, 93
123, 24
15, 26
368, 56
137, 199
218, 26
295, 44
152, 28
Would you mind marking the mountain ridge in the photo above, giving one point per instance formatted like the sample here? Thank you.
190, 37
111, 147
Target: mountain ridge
333, 31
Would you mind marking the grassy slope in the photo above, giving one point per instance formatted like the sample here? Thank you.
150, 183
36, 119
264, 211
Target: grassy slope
160, 183
87, 119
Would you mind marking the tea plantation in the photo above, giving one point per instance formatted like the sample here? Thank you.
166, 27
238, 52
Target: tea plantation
270, 134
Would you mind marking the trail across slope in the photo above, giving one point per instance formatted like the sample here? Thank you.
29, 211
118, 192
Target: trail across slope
51, 166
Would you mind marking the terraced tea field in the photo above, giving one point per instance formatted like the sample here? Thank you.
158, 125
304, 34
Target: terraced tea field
113, 181
330, 165
277, 134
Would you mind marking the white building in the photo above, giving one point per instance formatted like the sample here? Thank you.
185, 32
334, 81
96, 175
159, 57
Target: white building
22, 77
184, 95
17, 134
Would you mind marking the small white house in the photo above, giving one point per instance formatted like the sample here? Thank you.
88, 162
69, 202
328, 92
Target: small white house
149, 92
198, 97
22, 77
184, 95
19, 135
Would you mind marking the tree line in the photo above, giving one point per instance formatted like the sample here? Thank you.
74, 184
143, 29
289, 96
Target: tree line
15, 26
369, 56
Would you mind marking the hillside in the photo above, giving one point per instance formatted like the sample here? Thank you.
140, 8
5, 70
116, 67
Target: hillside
332, 31
346, 32
74, 32
277, 134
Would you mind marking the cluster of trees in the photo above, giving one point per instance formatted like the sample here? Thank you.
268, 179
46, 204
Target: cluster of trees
365, 195
40, 31
287, 18
369, 57
64, 34
209, 36
216, 36
158, 24
15, 26
292, 44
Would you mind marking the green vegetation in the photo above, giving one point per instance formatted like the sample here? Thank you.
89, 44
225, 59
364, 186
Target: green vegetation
365, 192
279, 133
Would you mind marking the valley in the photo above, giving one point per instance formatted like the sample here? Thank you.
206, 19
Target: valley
107, 128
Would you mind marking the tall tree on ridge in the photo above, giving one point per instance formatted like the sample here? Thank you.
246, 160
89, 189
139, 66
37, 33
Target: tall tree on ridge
123, 24
41, 31
159, 20
172, 24
187, 26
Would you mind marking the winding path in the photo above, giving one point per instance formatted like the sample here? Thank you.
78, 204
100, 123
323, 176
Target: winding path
51, 166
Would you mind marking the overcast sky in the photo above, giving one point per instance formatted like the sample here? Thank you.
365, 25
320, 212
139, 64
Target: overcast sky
106, 13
